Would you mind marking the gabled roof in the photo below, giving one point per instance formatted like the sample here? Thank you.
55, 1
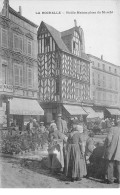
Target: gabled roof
67, 32
12, 11
57, 37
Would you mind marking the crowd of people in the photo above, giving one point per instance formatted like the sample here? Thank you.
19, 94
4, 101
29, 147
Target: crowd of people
74, 152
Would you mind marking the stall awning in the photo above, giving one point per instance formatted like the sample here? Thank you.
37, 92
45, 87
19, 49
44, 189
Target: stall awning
20, 106
75, 110
89, 110
114, 111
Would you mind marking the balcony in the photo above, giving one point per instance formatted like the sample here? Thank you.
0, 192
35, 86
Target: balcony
6, 89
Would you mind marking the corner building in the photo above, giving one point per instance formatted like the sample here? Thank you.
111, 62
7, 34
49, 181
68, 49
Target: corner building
64, 71
18, 67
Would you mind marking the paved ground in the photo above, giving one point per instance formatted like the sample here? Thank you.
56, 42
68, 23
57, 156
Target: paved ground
17, 173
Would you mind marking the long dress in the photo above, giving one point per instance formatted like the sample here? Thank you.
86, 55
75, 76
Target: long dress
75, 162
55, 151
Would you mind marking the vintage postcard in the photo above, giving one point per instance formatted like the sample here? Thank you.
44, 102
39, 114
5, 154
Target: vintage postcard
59, 94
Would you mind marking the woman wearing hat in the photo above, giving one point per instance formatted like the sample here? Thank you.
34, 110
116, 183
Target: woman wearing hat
75, 163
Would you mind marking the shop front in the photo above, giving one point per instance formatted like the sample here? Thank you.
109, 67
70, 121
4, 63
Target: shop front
113, 113
20, 111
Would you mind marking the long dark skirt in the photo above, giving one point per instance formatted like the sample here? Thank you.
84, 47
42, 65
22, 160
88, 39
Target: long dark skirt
75, 162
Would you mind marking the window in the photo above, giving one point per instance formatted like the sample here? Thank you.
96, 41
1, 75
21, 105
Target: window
104, 81
4, 74
30, 78
18, 43
47, 41
98, 79
76, 89
103, 66
29, 47
4, 38
116, 85
93, 63
18, 75
115, 71
74, 45
109, 69
98, 65
57, 86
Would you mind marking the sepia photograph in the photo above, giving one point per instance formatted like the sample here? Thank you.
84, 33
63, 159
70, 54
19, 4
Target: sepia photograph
60, 94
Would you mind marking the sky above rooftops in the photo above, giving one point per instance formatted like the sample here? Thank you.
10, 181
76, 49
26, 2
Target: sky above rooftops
101, 27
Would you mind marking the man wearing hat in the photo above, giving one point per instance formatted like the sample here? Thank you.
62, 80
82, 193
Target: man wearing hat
42, 127
112, 154
61, 124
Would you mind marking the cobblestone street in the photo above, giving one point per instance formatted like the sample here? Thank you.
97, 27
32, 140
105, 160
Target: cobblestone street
16, 173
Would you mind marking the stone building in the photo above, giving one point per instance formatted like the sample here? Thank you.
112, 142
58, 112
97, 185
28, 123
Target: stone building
64, 71
105, 85
18, 67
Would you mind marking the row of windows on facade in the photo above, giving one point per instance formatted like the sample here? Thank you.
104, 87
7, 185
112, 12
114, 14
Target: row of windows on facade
105, 97
18, 75
103, 67
17, 42
103, 83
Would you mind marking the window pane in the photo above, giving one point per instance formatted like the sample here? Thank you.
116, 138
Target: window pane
4, 74
29, 47
4, 38
30, 77
16, 70
20, 72
16, 42
20, 43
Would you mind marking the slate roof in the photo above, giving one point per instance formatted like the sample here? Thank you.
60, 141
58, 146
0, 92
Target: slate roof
67, 32
12, 11
58, 39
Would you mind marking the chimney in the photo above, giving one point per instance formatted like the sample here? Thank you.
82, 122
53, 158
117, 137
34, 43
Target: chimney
20, 10
75, 23
101, 57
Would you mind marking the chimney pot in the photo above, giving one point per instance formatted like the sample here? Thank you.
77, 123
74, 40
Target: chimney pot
75, 23
20, 10
101, 57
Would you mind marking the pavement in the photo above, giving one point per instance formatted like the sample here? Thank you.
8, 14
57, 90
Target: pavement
29, 155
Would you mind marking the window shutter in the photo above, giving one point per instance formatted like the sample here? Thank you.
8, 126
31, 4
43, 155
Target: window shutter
16, 72
4, 74
4, 38
29, 47
16, 42
29, 77
20, 44
21, 76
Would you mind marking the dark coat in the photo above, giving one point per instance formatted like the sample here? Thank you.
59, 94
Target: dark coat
90, 146
112, 144
62, 125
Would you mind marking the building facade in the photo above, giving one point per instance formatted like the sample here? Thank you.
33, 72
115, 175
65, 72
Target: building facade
18, 65
64, 71
104, 82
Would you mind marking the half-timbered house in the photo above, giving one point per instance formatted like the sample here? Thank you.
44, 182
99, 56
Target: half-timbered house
64, 72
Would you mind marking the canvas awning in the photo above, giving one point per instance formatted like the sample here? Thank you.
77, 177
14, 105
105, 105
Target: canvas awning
89, 110
19, 106
114, 111
75, 110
